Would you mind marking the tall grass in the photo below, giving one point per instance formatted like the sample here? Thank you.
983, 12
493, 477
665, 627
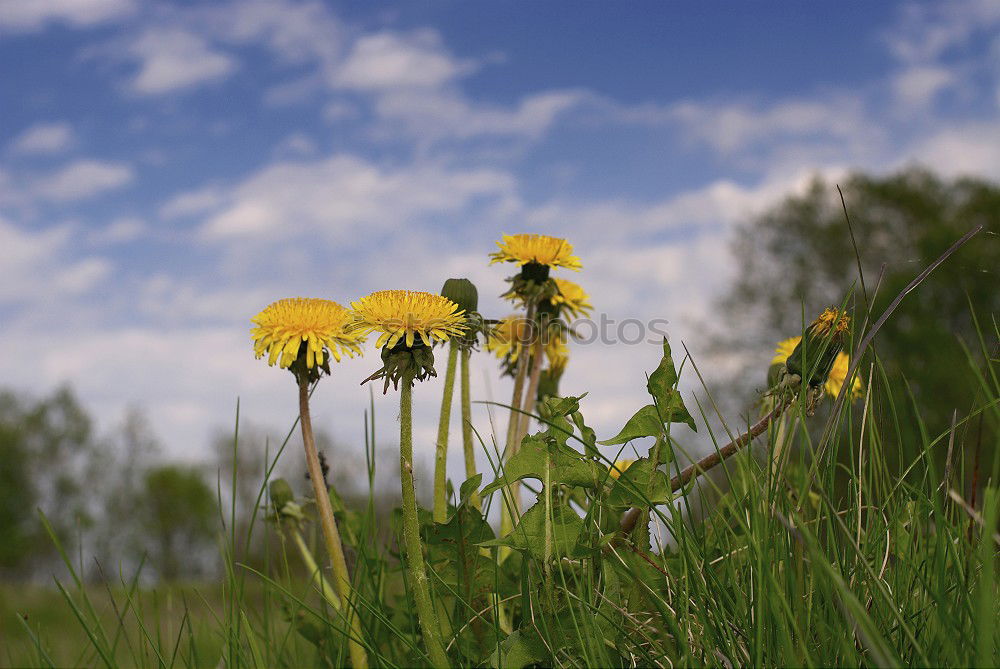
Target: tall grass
852, 548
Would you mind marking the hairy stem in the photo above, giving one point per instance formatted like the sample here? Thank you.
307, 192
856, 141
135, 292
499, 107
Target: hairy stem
441, 456
342, 579
426, 615
467, 445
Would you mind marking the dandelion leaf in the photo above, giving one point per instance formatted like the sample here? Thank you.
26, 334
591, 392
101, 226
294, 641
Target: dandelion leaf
529, 535
668, 406
520, 649
642, 484
566, 465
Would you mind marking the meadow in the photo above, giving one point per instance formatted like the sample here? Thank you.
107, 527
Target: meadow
817, 531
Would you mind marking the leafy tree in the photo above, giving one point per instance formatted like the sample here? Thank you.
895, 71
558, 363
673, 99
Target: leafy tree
177, 508
49, 458
799, 255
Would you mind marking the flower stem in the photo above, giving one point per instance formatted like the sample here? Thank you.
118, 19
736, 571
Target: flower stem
512, 506
314, 571
342, 579
528, 406
441, 456
411, 531
467, 446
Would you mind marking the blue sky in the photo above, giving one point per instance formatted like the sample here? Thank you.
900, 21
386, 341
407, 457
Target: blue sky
168, 169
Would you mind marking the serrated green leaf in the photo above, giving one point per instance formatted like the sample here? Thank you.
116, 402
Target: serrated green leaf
529, 535
641, 484
587, 435
668, 408
563, 406
645, 423
664, 377
567, 465
519, 650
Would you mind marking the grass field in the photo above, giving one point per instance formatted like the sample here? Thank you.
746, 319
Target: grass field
839, 543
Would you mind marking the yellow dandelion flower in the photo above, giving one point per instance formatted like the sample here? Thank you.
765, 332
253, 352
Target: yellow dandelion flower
617, 469
541, 249
504, 341
572, 297
283, 326
407, 314
838, 373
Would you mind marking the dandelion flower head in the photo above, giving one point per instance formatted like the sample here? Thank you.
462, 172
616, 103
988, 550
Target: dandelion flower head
322, 325
540, 249
406, 315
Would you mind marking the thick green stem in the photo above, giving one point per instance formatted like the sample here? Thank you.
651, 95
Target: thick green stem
426, 615
467, 445
441, 456
342, 579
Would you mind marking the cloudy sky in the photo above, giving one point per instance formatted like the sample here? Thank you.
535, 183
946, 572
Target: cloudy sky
168, 169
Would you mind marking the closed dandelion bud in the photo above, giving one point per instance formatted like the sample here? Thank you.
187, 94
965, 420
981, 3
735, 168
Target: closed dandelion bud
816, 352
463, 293
283, 500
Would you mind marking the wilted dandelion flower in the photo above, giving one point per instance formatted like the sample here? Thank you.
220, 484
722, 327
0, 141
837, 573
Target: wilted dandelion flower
617, 469
283, 327
406, 315
838, 373
572, 298
541, 249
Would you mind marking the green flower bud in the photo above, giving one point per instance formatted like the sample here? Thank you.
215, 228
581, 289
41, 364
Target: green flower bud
463, 293
815, 354
281, 494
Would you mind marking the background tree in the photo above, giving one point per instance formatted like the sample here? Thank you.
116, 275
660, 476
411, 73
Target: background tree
178, 509
799, 255
49, 458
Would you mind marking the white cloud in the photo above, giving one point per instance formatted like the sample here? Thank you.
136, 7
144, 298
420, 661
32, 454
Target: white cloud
171, 59
82, 179
732, 127
296, 31
296, 144
119, 231
44, 138
31, 15
438, 115
916, 87
192, 203
971, 149
37, 265
393, 61
926, 31
342, 194
340, 111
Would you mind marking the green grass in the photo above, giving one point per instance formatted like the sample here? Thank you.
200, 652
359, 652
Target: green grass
858, 549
